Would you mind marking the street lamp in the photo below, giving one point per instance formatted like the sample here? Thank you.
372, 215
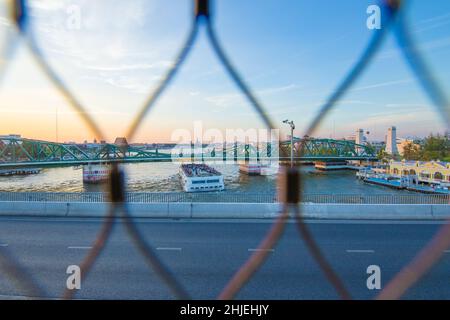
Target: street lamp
292, 125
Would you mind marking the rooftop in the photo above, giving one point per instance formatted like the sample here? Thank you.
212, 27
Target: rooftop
199, 170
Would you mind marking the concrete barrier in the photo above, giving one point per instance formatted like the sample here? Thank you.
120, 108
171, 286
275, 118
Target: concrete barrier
372, 211
229, 210
84, 209
440, 212
33, 209
235, 210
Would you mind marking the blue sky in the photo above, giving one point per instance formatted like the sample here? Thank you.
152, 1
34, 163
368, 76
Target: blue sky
291, 52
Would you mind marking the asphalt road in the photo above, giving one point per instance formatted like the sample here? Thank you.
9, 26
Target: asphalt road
204, 254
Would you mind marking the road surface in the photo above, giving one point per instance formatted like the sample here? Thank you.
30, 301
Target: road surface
204, 254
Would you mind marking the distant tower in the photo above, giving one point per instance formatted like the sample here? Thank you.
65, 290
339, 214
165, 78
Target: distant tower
391, 141
359, 138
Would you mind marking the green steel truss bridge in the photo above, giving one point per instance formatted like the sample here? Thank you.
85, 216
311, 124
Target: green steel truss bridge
16, 152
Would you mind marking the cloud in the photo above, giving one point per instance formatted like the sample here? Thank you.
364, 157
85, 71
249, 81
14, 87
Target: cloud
108, 48
382, 84
399, 118
432, 23
130, 67
408, 105
225, 100
435, 44
131, 83
48, 5
277, 89
236, 99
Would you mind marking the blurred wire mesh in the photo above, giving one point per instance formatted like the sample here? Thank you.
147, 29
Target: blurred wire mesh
290, 181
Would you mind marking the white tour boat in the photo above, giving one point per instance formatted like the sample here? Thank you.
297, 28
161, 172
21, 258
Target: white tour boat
200, 178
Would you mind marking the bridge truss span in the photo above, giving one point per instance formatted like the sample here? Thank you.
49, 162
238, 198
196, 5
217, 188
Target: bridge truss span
21, 152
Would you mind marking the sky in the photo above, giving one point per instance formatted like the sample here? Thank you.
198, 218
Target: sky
292, 53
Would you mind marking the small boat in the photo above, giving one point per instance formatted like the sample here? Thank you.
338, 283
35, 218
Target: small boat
269, 169
200, 178
327, 166
365, 173
20, 172
431, 189
95, 173
258, 169
392, 183
251, 169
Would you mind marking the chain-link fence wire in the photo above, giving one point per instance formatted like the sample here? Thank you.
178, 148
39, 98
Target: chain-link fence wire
290, 180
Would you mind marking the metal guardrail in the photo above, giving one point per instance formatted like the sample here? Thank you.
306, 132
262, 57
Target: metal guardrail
224, 197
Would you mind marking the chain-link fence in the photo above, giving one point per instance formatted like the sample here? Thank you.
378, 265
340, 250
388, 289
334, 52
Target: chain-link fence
394, 20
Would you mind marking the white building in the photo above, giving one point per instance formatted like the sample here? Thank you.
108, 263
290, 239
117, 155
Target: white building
359, 138
391, 141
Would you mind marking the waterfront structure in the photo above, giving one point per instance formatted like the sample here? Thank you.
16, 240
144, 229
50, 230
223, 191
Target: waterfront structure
428, 172
391, 141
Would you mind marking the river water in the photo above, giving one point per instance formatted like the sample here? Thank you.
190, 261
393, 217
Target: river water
163, 177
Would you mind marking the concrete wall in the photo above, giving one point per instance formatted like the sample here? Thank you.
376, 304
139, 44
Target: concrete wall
229, 210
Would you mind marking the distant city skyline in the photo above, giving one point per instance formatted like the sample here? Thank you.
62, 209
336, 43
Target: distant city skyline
349, 136
121, 50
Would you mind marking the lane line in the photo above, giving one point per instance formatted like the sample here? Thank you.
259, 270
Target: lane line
80, 248
168, 249
265, 250
359, 251
240, 221
4, 244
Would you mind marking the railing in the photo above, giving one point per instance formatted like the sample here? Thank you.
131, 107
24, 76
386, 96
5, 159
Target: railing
224, 197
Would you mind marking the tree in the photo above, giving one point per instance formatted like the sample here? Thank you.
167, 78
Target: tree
383, 156
435, 147
411, 151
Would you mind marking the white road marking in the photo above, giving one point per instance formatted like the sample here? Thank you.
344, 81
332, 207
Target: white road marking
240, 221
80, 248
168, 249
265, 250
359, 251
4, 244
